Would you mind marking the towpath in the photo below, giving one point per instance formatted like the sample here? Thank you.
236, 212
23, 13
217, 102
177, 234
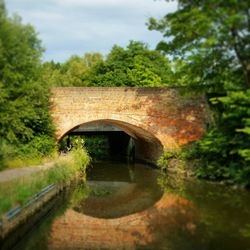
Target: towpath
11, 174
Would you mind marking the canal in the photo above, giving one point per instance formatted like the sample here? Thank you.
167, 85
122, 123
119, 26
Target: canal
134, 206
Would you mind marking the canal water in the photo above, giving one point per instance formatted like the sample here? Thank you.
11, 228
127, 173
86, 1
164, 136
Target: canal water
133, 206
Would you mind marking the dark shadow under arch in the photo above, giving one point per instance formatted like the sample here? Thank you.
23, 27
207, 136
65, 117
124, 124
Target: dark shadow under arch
148, 148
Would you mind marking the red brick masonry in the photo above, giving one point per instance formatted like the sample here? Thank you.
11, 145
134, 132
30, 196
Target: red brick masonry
159, 117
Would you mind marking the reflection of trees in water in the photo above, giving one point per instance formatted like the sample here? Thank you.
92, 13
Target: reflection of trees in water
224, 214
78, 194
173, 224
172, 184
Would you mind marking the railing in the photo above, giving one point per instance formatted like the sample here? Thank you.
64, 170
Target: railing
14, 212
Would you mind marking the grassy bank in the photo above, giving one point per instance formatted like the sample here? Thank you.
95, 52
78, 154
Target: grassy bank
19, 161
18, 191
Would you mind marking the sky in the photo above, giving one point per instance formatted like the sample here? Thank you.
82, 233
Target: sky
69, 27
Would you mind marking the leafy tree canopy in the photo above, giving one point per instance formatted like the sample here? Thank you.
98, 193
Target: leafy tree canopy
213, 38
135, 65
23, 101
74, 72
209, 41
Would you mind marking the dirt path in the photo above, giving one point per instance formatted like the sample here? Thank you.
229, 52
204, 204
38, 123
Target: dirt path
11, 174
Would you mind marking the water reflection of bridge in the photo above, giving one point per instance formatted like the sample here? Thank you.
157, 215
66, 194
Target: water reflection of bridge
168, 221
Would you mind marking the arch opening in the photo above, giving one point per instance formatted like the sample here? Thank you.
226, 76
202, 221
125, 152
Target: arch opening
124, 139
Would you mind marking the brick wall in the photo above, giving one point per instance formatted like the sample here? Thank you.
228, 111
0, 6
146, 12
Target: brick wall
157, 118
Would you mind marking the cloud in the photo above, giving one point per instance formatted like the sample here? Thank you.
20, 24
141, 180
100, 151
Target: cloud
69, 27
104, 4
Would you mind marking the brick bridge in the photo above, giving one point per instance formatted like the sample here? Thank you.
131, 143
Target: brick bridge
156, 118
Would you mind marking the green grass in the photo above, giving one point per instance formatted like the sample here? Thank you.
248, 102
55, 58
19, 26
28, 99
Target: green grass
18, 191
20, 161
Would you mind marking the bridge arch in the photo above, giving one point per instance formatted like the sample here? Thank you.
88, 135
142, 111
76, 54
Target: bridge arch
159, 117
148, 147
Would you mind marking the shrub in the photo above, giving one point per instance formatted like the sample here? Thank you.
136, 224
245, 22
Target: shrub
164, 160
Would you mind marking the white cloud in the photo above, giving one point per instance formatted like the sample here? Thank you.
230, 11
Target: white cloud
77, 26
110, 3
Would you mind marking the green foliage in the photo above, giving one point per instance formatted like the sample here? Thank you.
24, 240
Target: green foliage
135, 65
24, 115
62, 171
97, 146
79, 194
209, 43
100, 192
212, 38
18, 71
74, 72
166, 157
38, 150
245, 232
38, 146
225, 148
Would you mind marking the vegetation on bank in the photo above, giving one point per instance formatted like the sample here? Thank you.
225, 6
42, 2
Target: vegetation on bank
188, 161
40, 150
97, 145
23, 188
209, 45
174, 163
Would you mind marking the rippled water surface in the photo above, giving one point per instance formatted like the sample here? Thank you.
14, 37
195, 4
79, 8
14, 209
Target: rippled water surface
135, 207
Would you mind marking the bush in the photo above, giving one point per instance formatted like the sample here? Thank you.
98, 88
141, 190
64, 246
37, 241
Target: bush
32, 153
166, 157
219, 157
40, 146
97, 145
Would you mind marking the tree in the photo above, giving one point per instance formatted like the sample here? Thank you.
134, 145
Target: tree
74, 72
24, 102
135, 65
209, 41
213, 38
